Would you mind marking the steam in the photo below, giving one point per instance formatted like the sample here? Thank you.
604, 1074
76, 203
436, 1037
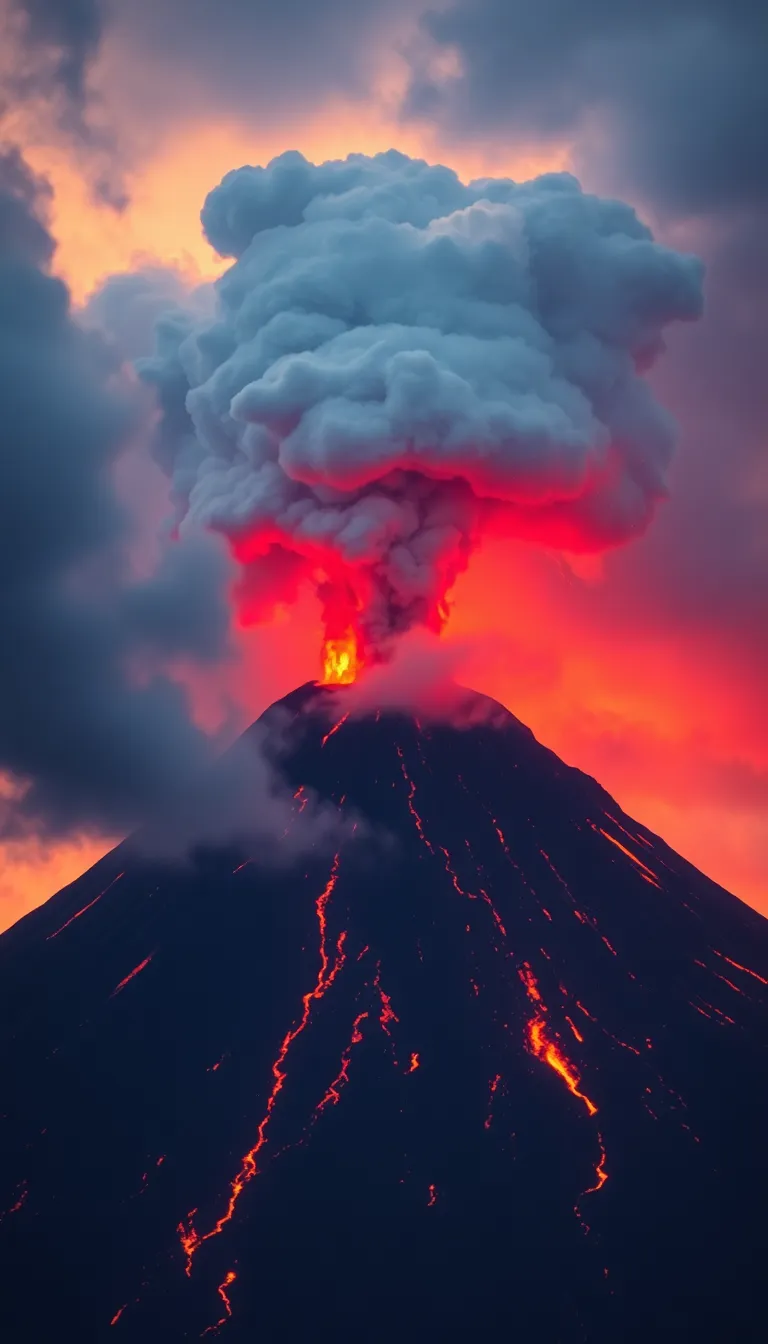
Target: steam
401, 362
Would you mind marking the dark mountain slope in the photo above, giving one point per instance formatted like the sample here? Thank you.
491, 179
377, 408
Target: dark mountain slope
497, 1068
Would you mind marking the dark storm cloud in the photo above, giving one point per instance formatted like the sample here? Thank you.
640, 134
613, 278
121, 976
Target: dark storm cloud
90, 725
668, 103
22, 199
257, 55
53, 44
680, 85
243, 58
71, 31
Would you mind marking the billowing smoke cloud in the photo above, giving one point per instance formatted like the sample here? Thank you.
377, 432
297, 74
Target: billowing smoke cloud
94, 735
401, 361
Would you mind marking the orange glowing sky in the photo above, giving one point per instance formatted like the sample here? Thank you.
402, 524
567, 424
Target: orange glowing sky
662, 715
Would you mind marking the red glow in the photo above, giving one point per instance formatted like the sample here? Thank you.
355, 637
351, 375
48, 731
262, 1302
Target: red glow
529, 980
601, 1176
550, 1054
191, 1240
387, 1013
646, 872
739, 967
432, 1196
546, 1049
492, 1093
574, 1028
72, 918
333, 730
223, 1294
342, 1077
20, 1201
118, 1314
411, 807
136, 970
341, 660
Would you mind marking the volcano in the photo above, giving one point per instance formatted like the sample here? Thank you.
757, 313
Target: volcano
497, 1064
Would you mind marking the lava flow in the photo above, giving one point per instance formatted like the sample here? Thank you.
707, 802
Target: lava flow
423, 1122
229, 1279
191, 1240
131, 975
546, 1049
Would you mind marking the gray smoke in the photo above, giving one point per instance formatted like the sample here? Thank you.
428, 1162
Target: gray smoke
401, 360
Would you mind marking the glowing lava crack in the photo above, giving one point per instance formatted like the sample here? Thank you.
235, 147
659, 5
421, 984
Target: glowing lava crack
492, 1062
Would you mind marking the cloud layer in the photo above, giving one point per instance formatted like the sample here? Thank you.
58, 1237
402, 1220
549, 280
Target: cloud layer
402, 360
93, 732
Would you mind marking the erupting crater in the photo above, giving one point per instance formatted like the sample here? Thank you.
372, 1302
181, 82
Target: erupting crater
486, 1062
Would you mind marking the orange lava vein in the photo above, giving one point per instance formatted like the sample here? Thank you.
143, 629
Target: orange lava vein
411, 796
77, 915
118, 1314
136, 970
574, 1028
387, 1013
717, 976
334, 729
191, 1240
414, 1064
229, 1278
21, 1200
470, 895
342, 1077
601, 1176
739, 967
650, 876
545, 1049
493, 1086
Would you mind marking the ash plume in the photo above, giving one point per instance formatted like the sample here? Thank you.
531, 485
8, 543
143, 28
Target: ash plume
400, 362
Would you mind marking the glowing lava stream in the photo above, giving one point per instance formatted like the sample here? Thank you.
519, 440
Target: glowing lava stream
78, 913
601, 1176
545, 1049
739, 967
335, 728
136, 970
229, 1278
411, 796
645, 872
447, 862
342, 1077
192, 1240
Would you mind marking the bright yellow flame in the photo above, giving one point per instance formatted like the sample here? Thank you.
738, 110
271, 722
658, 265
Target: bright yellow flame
341, 661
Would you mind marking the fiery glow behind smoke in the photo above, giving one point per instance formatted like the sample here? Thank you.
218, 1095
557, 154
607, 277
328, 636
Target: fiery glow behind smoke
402, 363
341, 660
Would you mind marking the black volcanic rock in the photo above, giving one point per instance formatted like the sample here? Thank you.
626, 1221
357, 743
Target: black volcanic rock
497, 1069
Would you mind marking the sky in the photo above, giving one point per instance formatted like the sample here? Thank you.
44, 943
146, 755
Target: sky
644, 665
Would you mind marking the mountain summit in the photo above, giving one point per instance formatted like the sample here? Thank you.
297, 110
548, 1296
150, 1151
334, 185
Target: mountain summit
496, 1066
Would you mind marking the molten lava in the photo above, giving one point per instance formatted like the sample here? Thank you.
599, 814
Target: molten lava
341, 660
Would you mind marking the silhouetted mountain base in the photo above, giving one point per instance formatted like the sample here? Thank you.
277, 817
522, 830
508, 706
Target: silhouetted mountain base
496, 1069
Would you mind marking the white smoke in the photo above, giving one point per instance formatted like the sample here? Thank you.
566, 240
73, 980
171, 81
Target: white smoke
400, 359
